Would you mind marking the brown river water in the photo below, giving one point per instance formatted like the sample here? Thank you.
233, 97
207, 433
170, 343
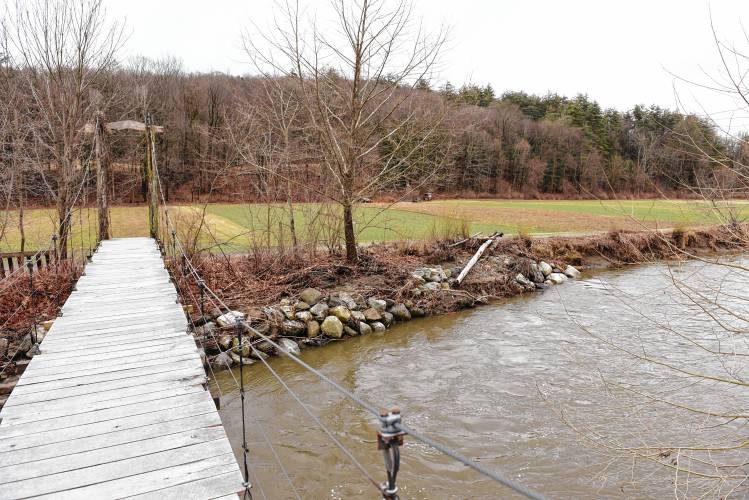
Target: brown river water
515, 385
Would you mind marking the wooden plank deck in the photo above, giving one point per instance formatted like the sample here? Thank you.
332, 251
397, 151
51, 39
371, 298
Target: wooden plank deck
115, 405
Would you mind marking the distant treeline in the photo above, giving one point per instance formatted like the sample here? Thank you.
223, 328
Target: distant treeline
512, 145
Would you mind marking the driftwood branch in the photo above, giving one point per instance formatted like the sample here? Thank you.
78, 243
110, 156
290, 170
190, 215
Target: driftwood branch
476, 257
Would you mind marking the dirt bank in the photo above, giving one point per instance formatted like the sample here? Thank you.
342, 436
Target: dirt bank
415, 277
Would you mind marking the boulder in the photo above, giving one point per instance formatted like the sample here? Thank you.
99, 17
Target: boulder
387, 318
525, 282
311, 296
274, 315
372, 314
319, 311
341, 312
536, 275
304, 316
288, 311
358, 316
301, 305
313, 329
364, 328
246, 350
292, 327
266, 347
236, 359
222, 360
332, 327
343, 299
400, 312
557, 278
230, 319
417, 279
571, 272
378, 304
350, 331
289, 345
25, 344
545, 268
225, 341
432, 286
377, 327
417, 312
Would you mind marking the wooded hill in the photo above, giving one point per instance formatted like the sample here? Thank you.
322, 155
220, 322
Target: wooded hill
224, 138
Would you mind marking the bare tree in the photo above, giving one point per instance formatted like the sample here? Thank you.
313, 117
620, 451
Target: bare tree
356, 85
65, 49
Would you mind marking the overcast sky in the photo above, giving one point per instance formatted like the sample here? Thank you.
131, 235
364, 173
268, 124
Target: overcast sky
618, 52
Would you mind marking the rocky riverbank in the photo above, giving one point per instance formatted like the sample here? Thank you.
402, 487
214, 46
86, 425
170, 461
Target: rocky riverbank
394, 285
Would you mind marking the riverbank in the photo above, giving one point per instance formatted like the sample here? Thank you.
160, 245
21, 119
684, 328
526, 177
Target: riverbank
311, 302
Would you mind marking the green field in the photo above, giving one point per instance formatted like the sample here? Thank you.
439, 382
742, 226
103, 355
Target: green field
241, 227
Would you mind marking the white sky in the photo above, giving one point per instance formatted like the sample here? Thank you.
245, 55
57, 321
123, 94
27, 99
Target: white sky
618, 52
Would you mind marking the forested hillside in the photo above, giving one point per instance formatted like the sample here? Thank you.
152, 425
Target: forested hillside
225, 136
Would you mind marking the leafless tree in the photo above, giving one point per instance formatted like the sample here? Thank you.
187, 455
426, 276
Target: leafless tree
356, 87
64, 49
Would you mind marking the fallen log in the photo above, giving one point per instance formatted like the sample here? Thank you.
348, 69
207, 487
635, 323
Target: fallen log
475, 259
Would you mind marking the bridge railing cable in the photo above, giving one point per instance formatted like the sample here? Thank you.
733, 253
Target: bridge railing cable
391, 430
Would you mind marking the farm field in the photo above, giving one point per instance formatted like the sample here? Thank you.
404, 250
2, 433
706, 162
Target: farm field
238, 227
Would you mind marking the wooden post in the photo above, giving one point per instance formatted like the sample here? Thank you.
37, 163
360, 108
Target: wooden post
152, 183
101, 151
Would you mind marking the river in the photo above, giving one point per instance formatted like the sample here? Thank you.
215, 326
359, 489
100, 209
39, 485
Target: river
517, 385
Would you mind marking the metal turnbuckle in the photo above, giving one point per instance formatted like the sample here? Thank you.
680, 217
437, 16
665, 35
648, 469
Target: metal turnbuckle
389, 439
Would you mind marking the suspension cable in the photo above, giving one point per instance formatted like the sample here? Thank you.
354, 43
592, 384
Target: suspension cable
372, 409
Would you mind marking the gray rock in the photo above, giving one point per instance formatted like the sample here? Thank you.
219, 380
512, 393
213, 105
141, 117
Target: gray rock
525, 282
225, 341
378, 304
289, 345
222, 360
274, 314
313, 329
304, 316
332, 327
571, 272
288, 311
432, 286
311, 295
341, 312
387, 318
557, 278
244, 360
350, 331
377, 327
419, 280
343, 299
545, 268
417, 312
358, 316
319, 310
230, 319
400, 312
372, 314
301, 305
364, 328
292, 327
25, 344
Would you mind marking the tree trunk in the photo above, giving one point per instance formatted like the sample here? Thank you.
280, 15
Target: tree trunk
152, 183
348, 232
102, 178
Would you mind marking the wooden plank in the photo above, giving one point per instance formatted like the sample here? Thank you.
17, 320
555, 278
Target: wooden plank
16, 427
101, 481
17, 397
216, 487
33, 439
174, 428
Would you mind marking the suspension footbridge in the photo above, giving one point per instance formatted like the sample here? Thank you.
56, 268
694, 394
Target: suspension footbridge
116, 403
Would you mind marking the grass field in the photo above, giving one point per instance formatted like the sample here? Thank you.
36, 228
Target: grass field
239, 227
